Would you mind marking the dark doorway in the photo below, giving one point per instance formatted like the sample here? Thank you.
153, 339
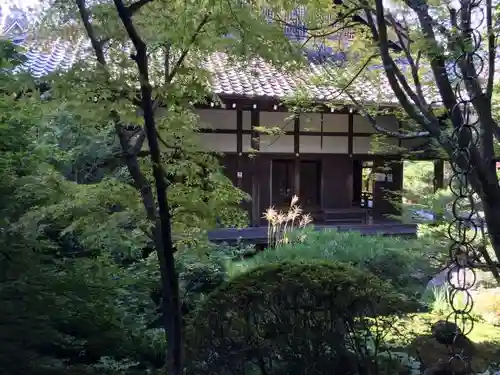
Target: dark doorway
357, 182
310, 184
282, 182
287, 174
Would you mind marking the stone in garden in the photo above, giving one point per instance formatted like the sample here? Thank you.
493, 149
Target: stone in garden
444, 332
457, 278
435, 356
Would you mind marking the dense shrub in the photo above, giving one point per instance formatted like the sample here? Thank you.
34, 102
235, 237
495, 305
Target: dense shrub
400, 261
57, 315
201, 269
290, 318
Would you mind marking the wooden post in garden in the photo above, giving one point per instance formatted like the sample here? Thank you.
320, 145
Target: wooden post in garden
438, 175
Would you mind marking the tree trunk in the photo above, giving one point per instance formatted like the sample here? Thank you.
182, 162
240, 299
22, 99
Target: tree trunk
130, 152
163, 229
492, 217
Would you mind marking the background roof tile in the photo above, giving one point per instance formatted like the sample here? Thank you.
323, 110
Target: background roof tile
257, 78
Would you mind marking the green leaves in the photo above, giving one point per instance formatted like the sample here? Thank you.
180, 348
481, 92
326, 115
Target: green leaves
10, 55
391, 259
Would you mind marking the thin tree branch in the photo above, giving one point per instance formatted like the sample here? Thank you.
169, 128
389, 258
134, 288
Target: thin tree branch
344, 90
166, 62
163, 142
378, 128
395, 134
170, 74
331, 32
129, 153
136, 141
94, 41
483, 179
480, 100
135, 7
496, 130
466, 63
186, 50
421, 104
351, 81
437, 60
342, 18
380, 33
140, 46
414, 68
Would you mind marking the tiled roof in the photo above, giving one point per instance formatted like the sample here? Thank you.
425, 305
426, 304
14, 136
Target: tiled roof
58, 56
260, 79
257, 78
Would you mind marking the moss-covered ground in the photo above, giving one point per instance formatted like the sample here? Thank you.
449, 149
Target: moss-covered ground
412, 334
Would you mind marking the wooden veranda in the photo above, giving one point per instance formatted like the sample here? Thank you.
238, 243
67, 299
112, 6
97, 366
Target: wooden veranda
258, 235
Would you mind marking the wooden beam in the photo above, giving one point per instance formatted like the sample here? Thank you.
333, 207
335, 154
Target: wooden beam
266, 104
296, 151
239, 146
296, 135
350, 134
239, 131
301, 133
255, 145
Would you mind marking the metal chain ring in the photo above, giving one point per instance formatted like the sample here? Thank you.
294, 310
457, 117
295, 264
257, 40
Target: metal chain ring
463, 230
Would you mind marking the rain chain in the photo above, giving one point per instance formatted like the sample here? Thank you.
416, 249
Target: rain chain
463, 229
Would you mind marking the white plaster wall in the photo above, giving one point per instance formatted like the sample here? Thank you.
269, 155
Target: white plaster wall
246, 142
364, 145
331, 122
247, 120
335, 122
362, 125
276, 143
361, 145
331, 145
282, 120
279, 142
218, 142
217, 118
226, 119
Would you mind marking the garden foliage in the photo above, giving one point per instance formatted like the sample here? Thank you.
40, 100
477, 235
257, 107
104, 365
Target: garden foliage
291, 318
76, 275
402, 262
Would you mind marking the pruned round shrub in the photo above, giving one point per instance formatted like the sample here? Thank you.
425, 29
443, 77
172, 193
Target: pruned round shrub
289, 318
396, 260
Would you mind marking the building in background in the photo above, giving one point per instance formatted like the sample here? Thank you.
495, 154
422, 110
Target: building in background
318, 156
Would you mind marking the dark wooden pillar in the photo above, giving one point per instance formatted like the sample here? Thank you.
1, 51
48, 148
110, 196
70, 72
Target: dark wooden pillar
255, 145
388, 179
296, 151
350, 134
397, 185
357, 181
239, 147
438, 175
351, 178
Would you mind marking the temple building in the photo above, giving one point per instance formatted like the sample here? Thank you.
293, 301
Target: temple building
326, 157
